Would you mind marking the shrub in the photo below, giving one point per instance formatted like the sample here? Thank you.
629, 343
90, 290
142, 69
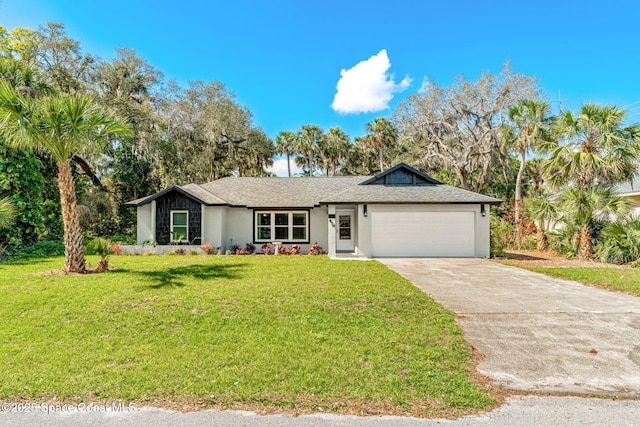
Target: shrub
234, 249
284, 251
619, 242
207, 248
42, 249
315, 249
295, 249
266, 248
180, 251
501, 235
102, 247
124, 238
193, 252
240, 251
250, 248
116, 248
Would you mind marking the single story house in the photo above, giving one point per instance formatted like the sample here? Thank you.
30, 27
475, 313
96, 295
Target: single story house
402, 212
630, 190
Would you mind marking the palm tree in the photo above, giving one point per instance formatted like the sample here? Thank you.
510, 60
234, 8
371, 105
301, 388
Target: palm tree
285, 144
543, 211
382, 133
60, 125
531, 130
306, 145
7, 212
584, 209
597, 149
337, 145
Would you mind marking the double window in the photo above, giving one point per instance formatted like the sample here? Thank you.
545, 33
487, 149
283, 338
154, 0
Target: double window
179, 226
282, 226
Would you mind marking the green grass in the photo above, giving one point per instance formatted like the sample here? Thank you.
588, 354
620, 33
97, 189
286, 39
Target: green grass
295, 333
619, 279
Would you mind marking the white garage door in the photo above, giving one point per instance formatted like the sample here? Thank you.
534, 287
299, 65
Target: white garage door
422, 234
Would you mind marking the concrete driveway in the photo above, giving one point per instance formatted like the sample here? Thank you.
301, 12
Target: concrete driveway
537, 333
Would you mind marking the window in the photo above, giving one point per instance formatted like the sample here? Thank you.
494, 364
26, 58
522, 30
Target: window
344, 227
282, 226
179, 226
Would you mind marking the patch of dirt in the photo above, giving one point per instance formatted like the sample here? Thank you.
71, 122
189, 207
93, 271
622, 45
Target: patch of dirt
62, 272
548, 259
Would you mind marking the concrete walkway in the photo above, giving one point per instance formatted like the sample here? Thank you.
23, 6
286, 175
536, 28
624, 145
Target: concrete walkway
537, 333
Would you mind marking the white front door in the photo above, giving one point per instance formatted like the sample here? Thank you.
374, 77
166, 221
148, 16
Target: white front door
345, 239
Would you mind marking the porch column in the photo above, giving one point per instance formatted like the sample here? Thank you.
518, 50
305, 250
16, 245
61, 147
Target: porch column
331, 229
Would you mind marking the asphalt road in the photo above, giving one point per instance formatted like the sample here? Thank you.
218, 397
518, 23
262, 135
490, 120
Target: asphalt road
519, 411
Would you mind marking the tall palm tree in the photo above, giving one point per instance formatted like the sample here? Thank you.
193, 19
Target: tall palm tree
337, 147
285, 144
24, 79
596, 148
7, 212
306, 145
382, 133
60, 125
531, 130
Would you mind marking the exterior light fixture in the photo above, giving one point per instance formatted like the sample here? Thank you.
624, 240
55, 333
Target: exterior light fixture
365, 211
482, 211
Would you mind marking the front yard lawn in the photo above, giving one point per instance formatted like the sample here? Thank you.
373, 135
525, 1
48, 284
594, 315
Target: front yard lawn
294, 334
619, 279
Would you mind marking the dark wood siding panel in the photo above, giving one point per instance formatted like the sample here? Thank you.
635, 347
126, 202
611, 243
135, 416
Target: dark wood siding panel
173, 201
400, 177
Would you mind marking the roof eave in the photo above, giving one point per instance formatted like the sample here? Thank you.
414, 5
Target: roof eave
151, 198
412, 202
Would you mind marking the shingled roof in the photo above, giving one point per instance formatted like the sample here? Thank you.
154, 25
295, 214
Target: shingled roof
400, 184
438, 193
299, 192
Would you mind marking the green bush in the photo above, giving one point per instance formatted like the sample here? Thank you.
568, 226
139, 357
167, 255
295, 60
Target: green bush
619, 242
501, 236
99, 246
42, 249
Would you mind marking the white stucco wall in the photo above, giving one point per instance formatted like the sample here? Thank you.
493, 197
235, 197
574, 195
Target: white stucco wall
238, 228
146, 223
212, 225
317, 229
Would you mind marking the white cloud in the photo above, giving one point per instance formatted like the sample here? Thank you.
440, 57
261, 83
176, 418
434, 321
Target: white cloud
367, 87
425, 86
279, 168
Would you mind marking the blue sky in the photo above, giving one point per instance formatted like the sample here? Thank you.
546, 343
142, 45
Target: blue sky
283, 59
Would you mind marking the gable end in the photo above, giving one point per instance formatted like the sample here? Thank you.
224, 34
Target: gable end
402, 175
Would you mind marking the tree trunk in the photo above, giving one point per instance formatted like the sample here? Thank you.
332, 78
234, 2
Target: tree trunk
381, 162
289, 163
585, 248
73, 251
542, 240
518, 202
310, 164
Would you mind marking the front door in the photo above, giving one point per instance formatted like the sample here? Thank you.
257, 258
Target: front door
345, 241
